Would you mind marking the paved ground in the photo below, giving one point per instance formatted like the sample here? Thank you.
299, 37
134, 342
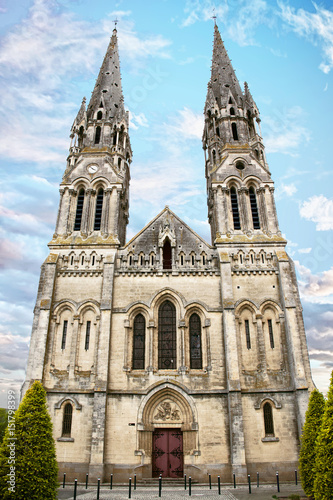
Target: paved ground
265, 492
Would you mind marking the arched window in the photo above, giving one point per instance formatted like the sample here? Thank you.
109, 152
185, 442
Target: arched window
232, 111
79, 210
167, 336
268, 419
234, 131
64, 334
99, 115
234, 207
271, 334
139, 329
98, 135
88, 327
247, 334
218, 131
98, 211
195, 342
114, 136
167, 260
67, 420
254, 208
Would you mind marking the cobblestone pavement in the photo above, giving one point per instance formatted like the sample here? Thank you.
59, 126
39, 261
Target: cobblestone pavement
264, 492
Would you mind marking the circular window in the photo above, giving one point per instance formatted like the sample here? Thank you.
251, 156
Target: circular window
240, 165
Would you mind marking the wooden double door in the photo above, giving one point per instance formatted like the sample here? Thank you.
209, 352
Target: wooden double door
167, 453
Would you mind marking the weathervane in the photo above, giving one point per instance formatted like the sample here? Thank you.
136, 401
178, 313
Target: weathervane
115, 23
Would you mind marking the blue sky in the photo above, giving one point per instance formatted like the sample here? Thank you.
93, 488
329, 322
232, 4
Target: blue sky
50, 55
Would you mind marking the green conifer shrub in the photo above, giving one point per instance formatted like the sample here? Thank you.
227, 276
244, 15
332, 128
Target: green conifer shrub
323, 484
28, 466
313, 419
3, 423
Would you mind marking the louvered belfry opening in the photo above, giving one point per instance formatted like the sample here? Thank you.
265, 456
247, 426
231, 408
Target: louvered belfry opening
167, 336
254, 209
234, 207
99, 208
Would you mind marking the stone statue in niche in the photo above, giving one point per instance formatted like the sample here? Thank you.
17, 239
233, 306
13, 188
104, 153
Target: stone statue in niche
165, 411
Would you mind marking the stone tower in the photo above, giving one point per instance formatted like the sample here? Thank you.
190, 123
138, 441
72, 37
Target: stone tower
166, 354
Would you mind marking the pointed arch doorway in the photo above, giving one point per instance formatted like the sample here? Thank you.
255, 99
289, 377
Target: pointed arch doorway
167, 455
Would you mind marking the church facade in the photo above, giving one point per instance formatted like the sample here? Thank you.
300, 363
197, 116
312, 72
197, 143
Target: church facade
166, 354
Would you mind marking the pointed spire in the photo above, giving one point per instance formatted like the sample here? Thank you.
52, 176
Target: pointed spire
223, 77
108, 93
81, 116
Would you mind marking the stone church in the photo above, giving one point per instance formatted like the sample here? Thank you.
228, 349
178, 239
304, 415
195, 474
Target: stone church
167, 354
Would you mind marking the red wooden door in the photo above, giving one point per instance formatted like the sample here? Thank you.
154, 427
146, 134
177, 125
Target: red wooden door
168, 453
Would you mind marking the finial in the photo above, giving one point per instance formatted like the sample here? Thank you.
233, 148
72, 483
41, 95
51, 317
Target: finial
115, 23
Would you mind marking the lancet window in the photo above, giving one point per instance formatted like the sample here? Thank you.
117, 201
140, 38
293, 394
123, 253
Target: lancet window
195, 342
67, 420
268, 420
167, 336
139, 329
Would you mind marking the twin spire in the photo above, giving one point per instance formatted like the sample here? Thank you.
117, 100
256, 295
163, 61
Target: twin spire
108, 93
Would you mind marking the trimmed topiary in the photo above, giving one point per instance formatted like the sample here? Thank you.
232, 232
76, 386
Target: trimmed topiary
323, 484
28, 466
313, 419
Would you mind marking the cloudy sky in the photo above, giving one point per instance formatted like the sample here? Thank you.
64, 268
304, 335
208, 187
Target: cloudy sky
50, 54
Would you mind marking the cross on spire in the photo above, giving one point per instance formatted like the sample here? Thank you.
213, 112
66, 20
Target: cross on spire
115, 23
214, 16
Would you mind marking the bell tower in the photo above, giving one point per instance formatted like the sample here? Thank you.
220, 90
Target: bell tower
95, 188
234, 152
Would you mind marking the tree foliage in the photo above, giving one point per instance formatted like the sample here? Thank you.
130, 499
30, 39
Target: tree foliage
323, 484
313, 419
3, 423
27, 454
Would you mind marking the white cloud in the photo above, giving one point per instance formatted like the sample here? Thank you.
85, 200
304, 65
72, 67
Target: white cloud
305, 250
288, 189
284, 132
316, 26
187, 125
198, 10
317, 288
318, 209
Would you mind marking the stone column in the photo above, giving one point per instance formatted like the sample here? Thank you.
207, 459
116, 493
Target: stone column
86, 212
243, 212
181, 349
225, 213
127, 343
261, 200
92, 211
208, 360
71, 210
73, 353
62, 191
106, 211
150, 345
273, 220
261, 344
